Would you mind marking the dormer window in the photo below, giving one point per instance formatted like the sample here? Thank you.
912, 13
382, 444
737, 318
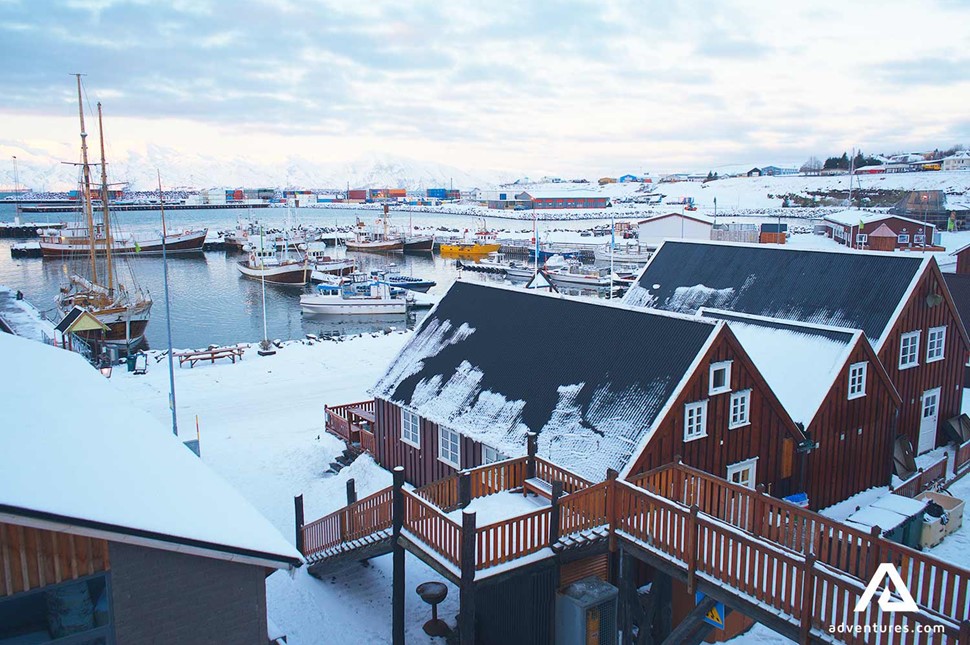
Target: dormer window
720, 378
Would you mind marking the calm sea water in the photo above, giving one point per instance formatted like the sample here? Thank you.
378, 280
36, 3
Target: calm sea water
211, 302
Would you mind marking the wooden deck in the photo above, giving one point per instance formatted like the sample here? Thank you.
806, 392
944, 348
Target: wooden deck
777, 562
352, 422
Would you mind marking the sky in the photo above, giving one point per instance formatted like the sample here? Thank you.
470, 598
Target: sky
562, 87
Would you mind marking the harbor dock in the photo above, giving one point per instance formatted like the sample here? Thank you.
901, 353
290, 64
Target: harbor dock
19, 317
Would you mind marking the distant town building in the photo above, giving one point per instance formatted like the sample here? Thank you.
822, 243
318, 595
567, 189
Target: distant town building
681, 226
754, 172
607, 180
957, 161
625, 179
563, 199
853, 228
777, 171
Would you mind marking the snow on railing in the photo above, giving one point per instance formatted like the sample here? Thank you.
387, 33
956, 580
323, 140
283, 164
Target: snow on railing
483, 480
585, 509
550, 472
512, 538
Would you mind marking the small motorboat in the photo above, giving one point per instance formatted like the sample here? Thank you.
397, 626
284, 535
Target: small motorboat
565, 271
354, 298
399, 281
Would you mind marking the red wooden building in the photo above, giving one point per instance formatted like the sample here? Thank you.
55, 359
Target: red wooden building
852, 228
478, 376
899, 301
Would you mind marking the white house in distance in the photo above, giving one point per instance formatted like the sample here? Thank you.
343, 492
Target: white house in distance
957, 161
679, 226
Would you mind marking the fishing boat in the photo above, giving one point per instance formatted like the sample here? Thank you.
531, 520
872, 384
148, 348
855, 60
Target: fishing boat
483, 243
565, 271
627, 254
350, 298
123, 309
378, 240
399, 281
322, 263
70, 241
274, 265
419, 242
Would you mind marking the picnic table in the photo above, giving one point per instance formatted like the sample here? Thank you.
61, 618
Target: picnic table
211, 355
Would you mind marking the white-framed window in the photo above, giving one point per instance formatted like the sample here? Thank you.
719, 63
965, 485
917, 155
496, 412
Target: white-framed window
903, 238
695, 420
449, 447
490, 455
935, 340
857, 379
740, 409
861, 238
410, 428
743, 473
720, 378
919, 239
909, 349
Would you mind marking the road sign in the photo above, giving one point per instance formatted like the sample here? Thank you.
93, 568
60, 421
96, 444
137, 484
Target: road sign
715, 616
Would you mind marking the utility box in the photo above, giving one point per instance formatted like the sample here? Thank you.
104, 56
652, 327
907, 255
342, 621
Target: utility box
586, 613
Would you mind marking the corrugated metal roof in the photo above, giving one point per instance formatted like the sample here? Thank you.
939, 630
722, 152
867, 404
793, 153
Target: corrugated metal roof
959, 286
850, 289
495, 363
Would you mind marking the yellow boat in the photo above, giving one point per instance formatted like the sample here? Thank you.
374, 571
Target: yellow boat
468, 248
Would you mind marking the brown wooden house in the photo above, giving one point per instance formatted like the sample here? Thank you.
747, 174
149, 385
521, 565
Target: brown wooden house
111, 531
899, 301
852, 228
485, 368
834, 387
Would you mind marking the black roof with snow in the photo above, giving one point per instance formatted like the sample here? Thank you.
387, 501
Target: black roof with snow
959, 286
494, 363
851, 289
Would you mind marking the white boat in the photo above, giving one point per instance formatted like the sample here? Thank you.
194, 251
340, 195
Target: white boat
627, 254
565, 271
322, 263
350, 298
267, 263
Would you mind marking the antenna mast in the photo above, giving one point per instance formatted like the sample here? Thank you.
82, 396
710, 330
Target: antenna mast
86, 187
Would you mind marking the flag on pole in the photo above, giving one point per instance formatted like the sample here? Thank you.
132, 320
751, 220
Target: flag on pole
137, 247
862, 226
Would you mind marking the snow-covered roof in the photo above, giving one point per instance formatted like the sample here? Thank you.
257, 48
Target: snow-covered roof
547, 193
703, 219
495, 363
800, 362
74, 452
810, 285
853, 217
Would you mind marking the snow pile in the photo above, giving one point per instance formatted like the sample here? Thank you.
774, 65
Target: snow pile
690, 299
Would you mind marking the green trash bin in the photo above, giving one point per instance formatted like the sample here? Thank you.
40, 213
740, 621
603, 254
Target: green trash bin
130, 360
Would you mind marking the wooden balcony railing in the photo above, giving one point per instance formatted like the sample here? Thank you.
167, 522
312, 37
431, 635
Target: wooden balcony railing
850, 551
924, 479
550, 472
483, 480
585, 509
349, 420
435, 529
512, 538
360, 519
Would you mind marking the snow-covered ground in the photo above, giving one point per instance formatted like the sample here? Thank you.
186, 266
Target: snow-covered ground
261, 427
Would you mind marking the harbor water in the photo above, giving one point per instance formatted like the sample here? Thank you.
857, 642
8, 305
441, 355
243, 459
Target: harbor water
213, 304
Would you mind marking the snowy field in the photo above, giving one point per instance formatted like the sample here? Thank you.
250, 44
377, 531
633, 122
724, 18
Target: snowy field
261, 427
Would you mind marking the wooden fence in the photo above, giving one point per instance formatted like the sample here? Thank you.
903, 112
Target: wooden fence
360, 519
549, 472
843, 548
432, 527
924, 478
345, 422
512, 538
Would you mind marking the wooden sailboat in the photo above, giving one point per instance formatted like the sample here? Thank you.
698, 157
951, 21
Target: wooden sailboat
124, 310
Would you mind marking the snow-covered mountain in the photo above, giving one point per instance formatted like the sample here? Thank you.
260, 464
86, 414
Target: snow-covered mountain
43, 170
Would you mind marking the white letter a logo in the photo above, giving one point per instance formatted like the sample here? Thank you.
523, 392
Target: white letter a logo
886, 602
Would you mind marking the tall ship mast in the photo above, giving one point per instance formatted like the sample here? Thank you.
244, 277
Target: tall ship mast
94, 286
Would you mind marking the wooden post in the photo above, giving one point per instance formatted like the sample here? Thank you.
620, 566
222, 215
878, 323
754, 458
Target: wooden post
532, 447
555, 511
611, 476
808, 598
964, 632
397, 590
351, 491
628, 597
298, 515
466, 610
875, 552
464, 489
690, 548
758, 512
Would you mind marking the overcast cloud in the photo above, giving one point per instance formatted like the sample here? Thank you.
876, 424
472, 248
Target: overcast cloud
561, 87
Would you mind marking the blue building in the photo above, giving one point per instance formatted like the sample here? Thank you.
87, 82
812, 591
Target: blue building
624, 179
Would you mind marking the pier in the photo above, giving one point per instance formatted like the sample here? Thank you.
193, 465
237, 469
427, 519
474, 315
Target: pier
142, 207
24, 229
